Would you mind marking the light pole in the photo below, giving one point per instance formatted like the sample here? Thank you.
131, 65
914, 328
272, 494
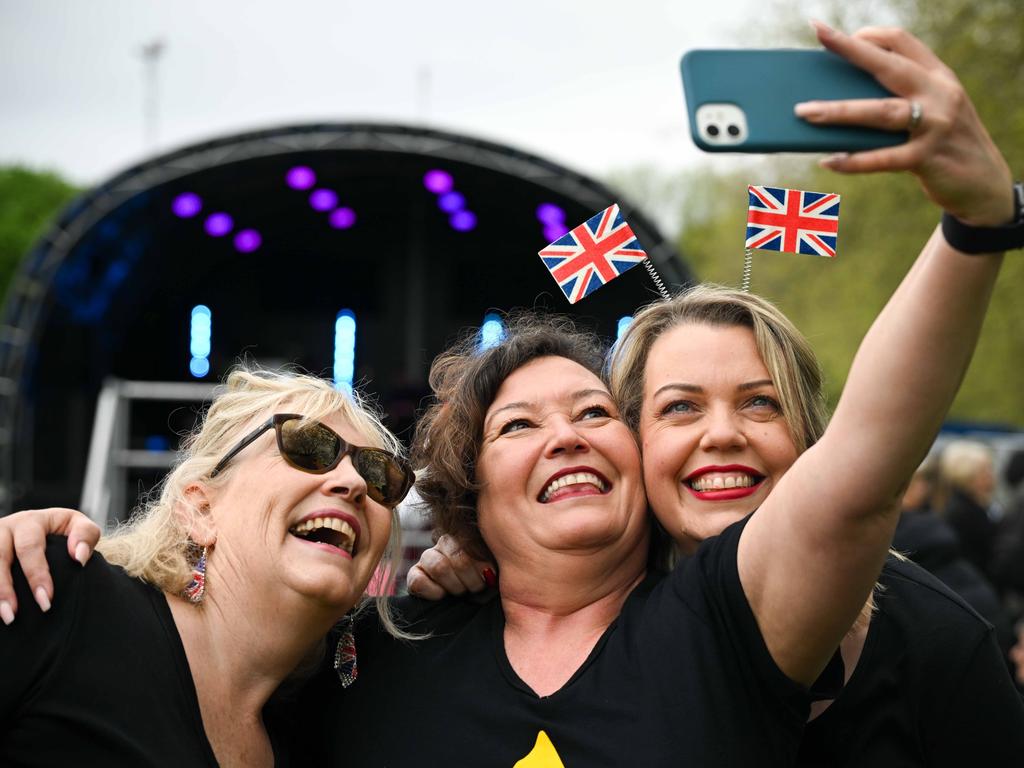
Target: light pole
151, 53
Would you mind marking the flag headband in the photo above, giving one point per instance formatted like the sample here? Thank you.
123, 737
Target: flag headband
791, 221
596, 252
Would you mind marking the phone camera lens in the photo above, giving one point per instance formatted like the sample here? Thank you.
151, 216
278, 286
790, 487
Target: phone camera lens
734, 130
713, 130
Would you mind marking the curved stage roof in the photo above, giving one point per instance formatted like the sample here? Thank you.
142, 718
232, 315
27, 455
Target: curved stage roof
109, 291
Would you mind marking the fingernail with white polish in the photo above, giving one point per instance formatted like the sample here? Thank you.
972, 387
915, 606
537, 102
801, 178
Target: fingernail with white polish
822, 28
82, 552
6, 612
835, 159
808, 110
43, 599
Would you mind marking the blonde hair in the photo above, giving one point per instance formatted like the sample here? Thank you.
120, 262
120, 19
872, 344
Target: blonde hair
789, 358
786, 354
154, 545
960, 462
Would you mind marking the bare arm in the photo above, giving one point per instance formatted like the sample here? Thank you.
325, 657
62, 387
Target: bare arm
23, 538
810, 555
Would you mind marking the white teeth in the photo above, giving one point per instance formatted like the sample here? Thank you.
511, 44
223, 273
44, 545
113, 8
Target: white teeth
576, 478
333, 523
720, 483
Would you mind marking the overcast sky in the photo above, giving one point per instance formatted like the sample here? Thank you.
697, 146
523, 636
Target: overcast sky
591, 84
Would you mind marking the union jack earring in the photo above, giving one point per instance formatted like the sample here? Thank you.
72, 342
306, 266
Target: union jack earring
345, 663
197, 586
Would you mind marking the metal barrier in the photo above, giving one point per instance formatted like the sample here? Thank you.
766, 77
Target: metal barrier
110, 458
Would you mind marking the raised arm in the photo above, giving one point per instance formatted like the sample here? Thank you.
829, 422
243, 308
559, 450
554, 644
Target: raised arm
23, 537
810, 555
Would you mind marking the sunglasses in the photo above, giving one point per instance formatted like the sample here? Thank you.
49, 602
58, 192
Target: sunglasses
316, 448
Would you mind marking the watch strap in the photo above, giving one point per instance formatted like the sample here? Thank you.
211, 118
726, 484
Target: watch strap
968, 239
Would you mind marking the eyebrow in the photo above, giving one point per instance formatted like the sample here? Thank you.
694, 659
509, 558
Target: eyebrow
530, 406
684, 387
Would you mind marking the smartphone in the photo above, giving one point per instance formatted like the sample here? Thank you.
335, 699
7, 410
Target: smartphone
742, 101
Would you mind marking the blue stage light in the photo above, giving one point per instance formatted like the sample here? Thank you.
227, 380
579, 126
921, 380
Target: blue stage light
462, 221
199, 367
624, 323
156, 443
200, 341
345, 350
450, 202
492, 331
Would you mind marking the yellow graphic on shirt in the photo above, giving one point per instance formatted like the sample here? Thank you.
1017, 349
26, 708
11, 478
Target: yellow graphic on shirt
543, 755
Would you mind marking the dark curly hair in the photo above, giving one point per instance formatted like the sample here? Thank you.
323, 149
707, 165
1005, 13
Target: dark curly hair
465, 380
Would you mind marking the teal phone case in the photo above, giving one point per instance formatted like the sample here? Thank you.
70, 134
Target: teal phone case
765, 84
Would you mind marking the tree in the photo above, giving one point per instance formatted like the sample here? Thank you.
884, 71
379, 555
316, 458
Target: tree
885, 219
29, 200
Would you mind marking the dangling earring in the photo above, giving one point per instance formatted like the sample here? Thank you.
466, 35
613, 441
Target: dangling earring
197, 587
345, 663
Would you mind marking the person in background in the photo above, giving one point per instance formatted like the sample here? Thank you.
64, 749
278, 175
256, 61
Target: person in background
967, 482
930, 542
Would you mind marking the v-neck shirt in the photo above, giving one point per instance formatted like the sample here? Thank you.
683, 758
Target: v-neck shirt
681, 677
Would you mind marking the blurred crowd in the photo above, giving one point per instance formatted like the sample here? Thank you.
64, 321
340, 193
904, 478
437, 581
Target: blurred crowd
956, 525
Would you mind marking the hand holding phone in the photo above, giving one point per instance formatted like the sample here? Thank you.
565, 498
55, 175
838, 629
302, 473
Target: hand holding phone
742, 101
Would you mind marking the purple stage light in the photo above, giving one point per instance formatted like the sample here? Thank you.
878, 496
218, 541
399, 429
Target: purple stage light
248, 240
450, 202
549, 213
438, 181
300, 177
323, 199
218, 224
463, 221
342, 218
186, 205
554, 231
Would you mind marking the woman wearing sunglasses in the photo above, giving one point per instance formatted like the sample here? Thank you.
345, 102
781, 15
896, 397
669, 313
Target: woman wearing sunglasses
168, 647
591, 657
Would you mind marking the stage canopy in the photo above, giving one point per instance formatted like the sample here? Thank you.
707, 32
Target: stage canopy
351, 250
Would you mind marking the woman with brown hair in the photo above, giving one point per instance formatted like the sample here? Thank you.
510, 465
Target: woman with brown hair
591, 656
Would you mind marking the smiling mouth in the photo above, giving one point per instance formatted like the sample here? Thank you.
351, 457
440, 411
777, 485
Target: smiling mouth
715, 482
724, 484
572, 484
327, 530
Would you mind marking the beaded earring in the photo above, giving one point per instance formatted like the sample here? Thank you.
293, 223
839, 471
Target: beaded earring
345, 663
197, 586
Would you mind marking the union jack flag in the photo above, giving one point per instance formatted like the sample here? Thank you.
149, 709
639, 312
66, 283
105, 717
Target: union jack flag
792, 220
598, 250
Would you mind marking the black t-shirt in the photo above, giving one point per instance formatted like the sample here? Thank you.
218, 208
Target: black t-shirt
682, 677
930, 689
101, 679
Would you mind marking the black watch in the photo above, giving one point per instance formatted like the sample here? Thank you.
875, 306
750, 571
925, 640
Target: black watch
968, 239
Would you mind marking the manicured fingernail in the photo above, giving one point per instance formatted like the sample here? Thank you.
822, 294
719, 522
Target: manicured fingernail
809, 110
833, 160
6, 612
43, 599
822, 28
82, 552
490, 577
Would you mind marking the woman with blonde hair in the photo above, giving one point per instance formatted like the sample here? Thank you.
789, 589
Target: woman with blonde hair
168, 647
593, 656
966, 483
